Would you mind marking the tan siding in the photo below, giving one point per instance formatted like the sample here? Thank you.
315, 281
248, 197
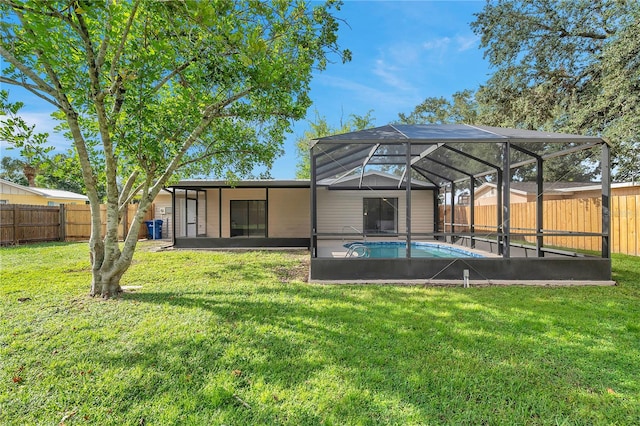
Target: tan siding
237, 194
422, 211
163, 201
338, 209
213, 213
288, 212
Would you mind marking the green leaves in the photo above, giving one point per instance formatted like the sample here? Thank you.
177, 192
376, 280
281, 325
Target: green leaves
567, 66
20, 135
320, 128
150, 89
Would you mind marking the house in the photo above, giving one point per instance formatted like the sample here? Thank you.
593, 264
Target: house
275, 213
383, 184
12, 193
526, 192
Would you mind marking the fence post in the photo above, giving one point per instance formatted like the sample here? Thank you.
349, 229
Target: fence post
15, 224
63, 222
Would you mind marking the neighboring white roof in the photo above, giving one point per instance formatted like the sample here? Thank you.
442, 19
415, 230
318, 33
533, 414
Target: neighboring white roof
46, 192
59, 193
558, 187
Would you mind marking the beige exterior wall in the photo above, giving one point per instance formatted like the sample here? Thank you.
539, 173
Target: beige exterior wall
213, 213
162, 203
237, 194
422, 211
288, 213
339, 209
489, 198
289, 216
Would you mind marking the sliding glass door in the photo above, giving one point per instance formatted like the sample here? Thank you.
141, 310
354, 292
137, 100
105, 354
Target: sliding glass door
248, 218
380, 215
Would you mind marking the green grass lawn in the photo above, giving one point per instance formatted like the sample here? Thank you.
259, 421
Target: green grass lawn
238, 339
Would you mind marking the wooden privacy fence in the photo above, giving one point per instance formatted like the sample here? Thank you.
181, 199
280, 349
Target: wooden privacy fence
562, 216
20, 223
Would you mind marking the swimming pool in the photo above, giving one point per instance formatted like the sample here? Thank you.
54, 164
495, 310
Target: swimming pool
398, 249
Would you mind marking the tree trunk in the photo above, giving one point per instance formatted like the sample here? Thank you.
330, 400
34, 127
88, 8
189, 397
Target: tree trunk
109, 262
30, 173
105, 287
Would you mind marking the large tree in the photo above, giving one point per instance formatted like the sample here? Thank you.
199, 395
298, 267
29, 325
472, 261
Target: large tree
569, 66
150, 88
462, 108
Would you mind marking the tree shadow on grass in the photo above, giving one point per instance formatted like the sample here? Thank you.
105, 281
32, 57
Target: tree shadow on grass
440, 355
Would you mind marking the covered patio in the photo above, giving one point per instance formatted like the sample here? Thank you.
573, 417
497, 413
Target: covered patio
443, 160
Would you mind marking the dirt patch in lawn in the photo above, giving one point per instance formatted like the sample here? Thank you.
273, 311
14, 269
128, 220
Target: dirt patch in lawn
298, 271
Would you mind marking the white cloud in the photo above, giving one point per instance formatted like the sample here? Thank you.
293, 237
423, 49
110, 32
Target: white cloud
390, 75
460, 43
466, 42
441, 43
374, 98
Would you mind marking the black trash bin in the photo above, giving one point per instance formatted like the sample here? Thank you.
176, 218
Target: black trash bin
154, 229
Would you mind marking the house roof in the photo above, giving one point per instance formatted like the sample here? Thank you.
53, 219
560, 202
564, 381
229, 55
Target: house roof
46, 192
556, 187
251, 183
374, 179
440, 153
547, 187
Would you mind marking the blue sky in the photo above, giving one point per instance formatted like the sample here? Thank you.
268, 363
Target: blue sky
403, 52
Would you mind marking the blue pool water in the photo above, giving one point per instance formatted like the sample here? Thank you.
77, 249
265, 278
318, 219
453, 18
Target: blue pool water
398, 249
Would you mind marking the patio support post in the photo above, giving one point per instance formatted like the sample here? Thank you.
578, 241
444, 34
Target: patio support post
408, 191
605, 165
436, 211
444, 214
506, 200
472, 210
499, 211
173, 212
314, 218
219, 212
539, 207
453, 211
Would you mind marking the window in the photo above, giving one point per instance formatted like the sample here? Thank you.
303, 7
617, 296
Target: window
4, 201
380, 215
248, 218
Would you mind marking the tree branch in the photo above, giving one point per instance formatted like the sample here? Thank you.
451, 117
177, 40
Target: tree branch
18, 6
31, 88
102, 51
562, 32
40, 83
172, 74
126, 190
130, 197
212, 153
123, 40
